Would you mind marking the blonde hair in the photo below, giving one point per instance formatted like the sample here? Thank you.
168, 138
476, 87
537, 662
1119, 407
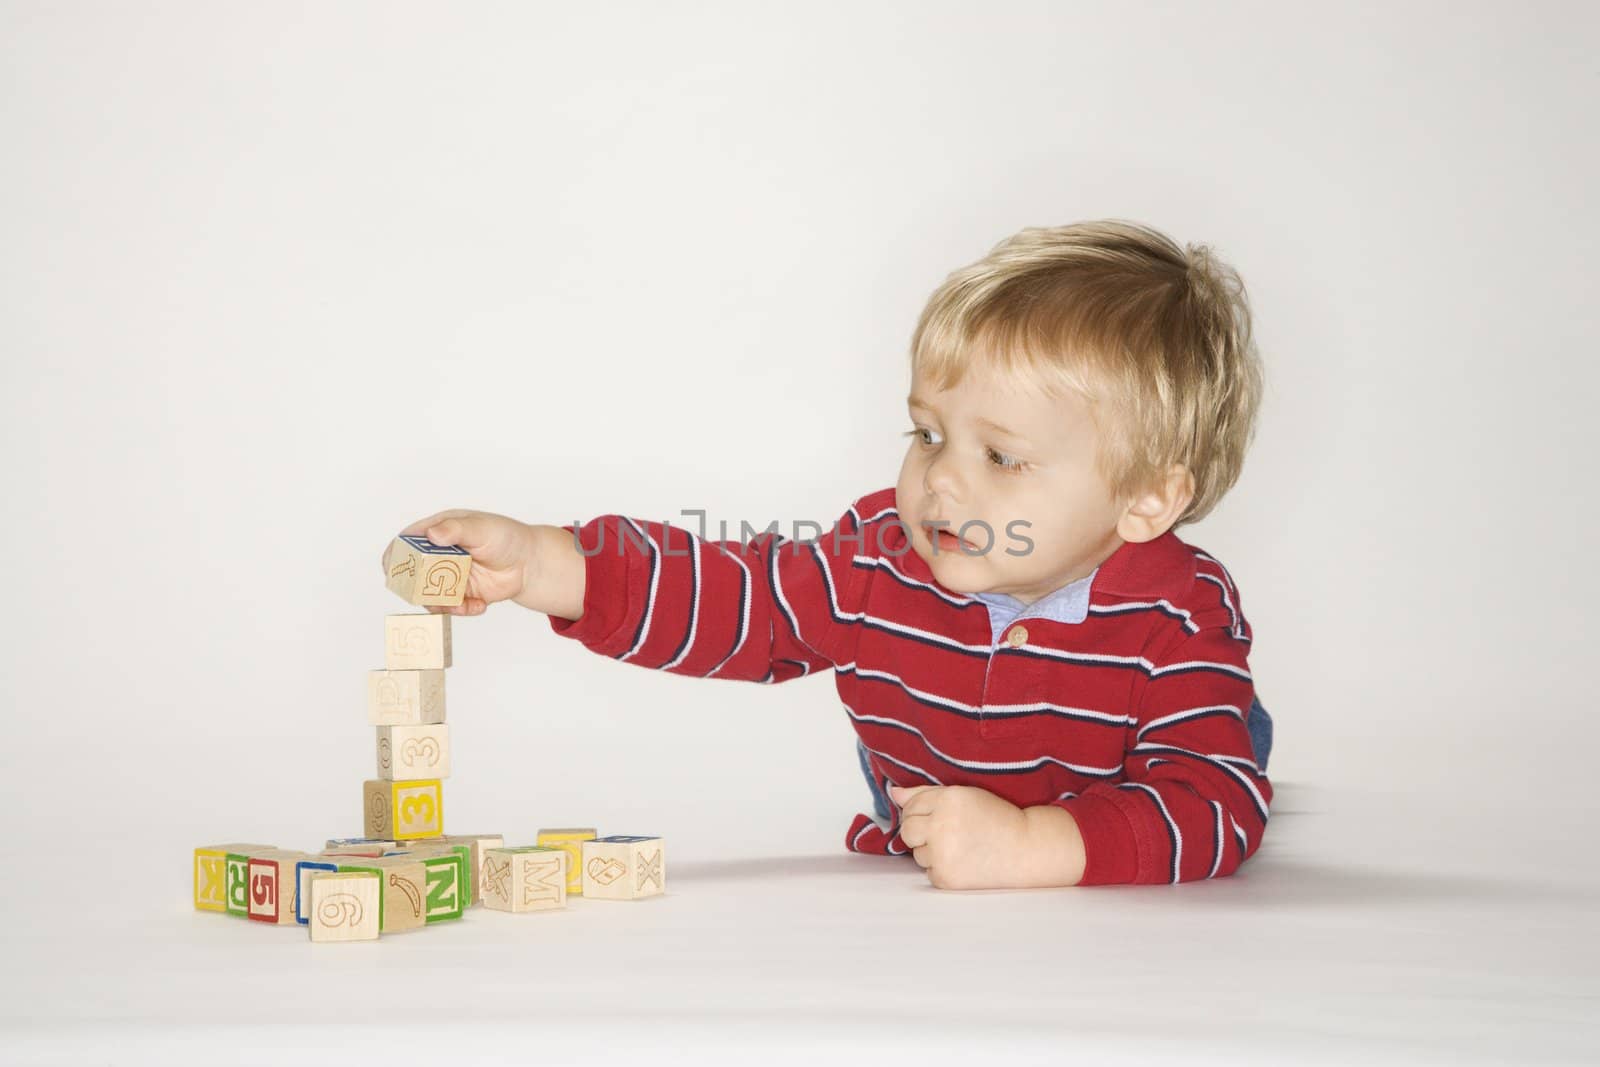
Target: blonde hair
1156, 335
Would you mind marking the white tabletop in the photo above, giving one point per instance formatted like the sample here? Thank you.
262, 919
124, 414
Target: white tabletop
1361, 928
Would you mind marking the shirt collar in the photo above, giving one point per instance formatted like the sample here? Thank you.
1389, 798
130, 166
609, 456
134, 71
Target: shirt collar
1069, 603
1162, 569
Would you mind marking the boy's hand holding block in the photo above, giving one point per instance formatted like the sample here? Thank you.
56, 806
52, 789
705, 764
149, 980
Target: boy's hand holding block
532, 878
424, 573
416, 641
401, 698
344, 906
411, 752
624, 868
402, 811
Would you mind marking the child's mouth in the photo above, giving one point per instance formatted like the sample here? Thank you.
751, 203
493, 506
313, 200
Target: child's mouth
944, 540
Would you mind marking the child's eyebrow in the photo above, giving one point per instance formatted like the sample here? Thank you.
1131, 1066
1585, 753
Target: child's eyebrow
917, 402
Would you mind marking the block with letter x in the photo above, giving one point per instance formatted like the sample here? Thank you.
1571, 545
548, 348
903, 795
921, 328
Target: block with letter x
624, 868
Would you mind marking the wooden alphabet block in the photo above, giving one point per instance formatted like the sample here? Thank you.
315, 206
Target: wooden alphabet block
344, 906
449, 878
303, 870
341, 844
399, 698
412, 752
532, 878
402, 882
273, 886
401, 811
416, 642
478, 843
424, 573
211, 874
624, 868
571, 839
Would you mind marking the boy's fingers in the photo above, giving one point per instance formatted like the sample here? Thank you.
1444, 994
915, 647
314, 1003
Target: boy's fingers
914, 831
904, 797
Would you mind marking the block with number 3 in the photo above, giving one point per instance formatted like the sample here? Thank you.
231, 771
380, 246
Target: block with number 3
402, 811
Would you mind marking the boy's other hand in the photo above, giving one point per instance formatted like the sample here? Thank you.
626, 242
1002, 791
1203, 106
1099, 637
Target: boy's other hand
500, 547
963, 836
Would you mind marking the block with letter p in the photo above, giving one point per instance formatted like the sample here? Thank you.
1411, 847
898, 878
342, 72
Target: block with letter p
423, 573
401, 811
399, 698
624, 868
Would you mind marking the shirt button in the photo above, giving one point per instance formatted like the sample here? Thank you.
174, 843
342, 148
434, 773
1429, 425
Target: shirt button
1017, 636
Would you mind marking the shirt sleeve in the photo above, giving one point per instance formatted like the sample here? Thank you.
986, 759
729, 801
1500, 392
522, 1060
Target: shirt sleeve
1193, 804
765, 610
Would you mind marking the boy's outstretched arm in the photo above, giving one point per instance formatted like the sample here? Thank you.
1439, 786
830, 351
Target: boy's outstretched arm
659, 596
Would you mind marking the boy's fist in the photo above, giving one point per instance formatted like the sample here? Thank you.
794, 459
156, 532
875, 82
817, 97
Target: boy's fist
501, 548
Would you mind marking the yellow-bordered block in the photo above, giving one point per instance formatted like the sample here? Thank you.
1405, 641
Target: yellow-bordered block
211, 874
403, 810
571, 840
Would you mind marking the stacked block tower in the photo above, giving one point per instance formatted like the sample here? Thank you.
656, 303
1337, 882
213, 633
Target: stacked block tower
405, 872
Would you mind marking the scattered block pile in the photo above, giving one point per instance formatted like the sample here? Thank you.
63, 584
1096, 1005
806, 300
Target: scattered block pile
405, 872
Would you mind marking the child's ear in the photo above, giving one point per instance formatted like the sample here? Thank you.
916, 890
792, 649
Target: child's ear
1152, 512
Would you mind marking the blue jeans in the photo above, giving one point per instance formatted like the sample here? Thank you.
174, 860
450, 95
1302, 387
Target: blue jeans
1256, 720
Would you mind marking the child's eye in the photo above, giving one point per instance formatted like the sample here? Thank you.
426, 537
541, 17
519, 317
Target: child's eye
1006, 463
919, 433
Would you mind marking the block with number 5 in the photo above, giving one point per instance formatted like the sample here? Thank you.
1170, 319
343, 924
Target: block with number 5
404, 810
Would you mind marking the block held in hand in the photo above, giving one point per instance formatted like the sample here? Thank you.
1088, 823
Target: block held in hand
424, 573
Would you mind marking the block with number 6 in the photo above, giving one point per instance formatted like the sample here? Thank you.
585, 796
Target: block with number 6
402, 811
344, 906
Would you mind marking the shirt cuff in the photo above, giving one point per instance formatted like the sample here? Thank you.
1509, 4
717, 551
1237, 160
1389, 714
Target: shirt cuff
1110, 845
611, 575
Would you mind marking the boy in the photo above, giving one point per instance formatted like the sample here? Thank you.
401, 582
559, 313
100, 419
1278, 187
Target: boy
1049, 688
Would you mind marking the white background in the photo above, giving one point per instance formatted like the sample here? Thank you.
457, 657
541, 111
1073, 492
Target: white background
276, 280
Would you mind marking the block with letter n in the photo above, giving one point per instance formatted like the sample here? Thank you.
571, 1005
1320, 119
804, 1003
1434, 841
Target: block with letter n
402, 810
211, 874
624, 868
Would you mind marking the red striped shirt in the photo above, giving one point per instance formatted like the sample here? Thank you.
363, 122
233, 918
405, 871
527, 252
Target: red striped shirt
1132, 720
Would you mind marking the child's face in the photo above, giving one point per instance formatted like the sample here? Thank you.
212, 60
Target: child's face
1040, 468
